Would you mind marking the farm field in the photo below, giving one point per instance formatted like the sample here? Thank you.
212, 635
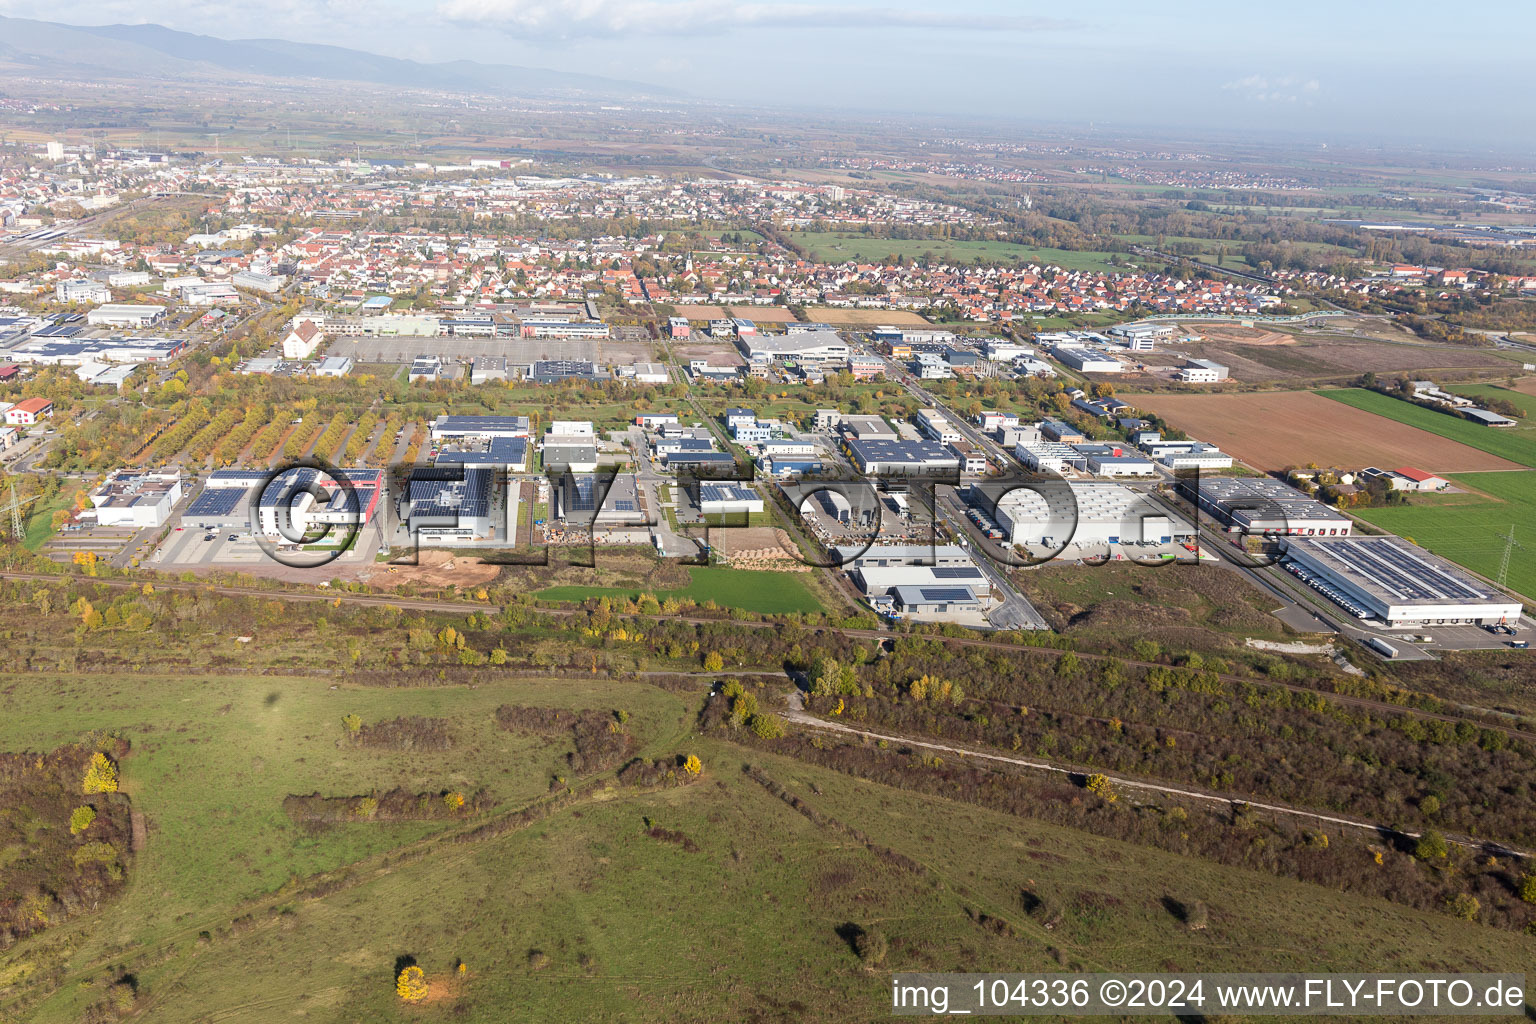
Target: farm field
1508, 443
840, 247
1272, 430
1267, 355
703, 902
1467, 528
768, 593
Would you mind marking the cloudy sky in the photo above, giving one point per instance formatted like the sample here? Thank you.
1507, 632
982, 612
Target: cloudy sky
1330, 71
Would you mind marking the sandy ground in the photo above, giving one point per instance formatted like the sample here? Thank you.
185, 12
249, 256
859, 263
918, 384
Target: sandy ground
757, 547
1273, 430
436, 569
1236, 335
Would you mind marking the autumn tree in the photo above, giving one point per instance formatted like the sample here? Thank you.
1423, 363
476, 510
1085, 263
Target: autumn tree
411, 985
1099, 785
100, 775
692, 765
80, 819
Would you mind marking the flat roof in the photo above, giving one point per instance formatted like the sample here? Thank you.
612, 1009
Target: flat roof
1394, 571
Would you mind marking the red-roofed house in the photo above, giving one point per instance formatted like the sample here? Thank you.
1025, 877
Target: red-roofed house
1422, 481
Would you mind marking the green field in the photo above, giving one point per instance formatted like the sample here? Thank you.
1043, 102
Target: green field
768, 593
738, 910
839, 247
1509, 443
1466, 528
1486, 391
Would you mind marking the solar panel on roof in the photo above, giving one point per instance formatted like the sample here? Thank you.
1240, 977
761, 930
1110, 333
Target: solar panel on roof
946, 593
217, 501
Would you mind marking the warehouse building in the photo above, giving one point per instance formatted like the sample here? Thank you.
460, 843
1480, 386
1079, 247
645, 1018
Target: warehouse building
902, 457
1086, 515
879, 581
448, 506
479, 426
506, 453
1197, 456
1084, 361
1260, 505
118, 314
1402, 585
1050, 457
136, 499
728, 499
880, 556
578, 495
805, 347
868, 428
1201, 371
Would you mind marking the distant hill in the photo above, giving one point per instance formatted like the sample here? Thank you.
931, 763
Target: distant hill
154, 51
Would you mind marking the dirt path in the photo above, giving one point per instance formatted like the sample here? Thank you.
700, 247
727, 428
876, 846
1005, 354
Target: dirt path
798, 715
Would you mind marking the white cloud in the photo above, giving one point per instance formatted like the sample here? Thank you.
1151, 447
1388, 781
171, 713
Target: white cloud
578, 18
1286, 89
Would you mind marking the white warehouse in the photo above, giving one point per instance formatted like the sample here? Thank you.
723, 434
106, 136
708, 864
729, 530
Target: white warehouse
1399, 583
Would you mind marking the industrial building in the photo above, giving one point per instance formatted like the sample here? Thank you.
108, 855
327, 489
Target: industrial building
578, 495
808, 346
728, 499
302, 502
1050, 457
506, 453
1084, 361
1086, 515
136, 499
880, 556
1263, 506
1402, 585
902, 457
1201, 371
868, 428
879, 581
448, 506
479, 426
69, 351
1197, 456
117, 314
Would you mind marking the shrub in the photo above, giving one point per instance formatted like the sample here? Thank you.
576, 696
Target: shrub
453, 801
770, 727
693, 765
871, 946
1431, 846
101, 775
411, 985
1464, 905
352, 722
80, 819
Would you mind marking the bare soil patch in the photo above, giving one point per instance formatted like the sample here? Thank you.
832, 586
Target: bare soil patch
1293, 428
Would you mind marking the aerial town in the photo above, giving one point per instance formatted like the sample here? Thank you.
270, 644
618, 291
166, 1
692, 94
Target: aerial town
422, 523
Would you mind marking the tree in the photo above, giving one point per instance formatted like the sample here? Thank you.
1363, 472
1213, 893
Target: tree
411, 985
352, 722
692, 765
100, 775
713, 662
453, 801
1099, 785
80, 819
1528, 888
